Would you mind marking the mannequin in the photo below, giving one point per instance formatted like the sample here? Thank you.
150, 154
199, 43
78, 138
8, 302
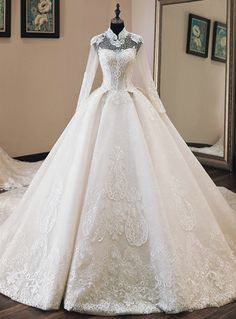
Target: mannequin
117, 24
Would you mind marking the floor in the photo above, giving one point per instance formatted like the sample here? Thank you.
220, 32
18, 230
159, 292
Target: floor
13, 310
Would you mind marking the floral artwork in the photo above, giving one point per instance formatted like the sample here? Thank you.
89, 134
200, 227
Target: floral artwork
219, 44
198, 36
40, 17
5, 18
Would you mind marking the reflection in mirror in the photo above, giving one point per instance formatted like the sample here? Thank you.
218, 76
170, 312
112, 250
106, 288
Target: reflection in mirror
192, 80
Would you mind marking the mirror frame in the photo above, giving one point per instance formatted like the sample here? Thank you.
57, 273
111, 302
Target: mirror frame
225, 162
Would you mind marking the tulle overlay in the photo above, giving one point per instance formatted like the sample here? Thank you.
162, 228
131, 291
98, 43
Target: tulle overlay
120, 218
146, 229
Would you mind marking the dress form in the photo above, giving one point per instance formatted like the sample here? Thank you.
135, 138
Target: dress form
117, 24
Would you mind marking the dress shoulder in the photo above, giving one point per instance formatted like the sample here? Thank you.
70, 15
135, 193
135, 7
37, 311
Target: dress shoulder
136, 38
95, 40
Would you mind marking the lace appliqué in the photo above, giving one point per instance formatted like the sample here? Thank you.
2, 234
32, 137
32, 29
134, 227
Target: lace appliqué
97, 39
105, 41
117, 208
8, 202
49, 212
33, 272
122, 281
116, 69
193, 275
183, 208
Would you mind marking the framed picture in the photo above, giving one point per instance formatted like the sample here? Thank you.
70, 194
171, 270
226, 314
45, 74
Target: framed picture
219, 43
198, 36
40, 18
5, 18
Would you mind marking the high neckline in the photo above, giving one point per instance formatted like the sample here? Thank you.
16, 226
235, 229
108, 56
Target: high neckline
123, 33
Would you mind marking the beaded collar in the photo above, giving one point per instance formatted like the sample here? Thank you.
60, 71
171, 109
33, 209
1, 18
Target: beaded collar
109, 40
122, 35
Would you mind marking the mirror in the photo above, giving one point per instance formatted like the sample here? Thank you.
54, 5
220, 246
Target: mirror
194, 64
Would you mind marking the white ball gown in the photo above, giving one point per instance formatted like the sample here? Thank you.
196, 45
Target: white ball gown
120, 218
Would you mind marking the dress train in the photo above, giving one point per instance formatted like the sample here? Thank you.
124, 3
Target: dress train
14, 173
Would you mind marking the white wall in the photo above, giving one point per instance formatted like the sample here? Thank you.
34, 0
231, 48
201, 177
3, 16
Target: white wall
192, 88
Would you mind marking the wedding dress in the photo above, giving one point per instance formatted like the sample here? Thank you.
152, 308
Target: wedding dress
120, 218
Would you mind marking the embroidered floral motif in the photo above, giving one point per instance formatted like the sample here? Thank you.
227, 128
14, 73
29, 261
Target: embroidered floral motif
123, 275
50, 210
113, 278
109, 40
136, 38
9, 203
97, 39
36, 264
187, 218
115, 66
117, 208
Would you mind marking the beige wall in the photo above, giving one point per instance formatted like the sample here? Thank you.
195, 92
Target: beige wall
40, 78
143, 18
192, 88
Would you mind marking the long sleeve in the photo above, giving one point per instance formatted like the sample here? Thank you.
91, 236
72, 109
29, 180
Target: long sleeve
148, 83
89, 75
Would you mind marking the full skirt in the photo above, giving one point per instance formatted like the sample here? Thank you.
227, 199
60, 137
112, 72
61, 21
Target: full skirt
120, 218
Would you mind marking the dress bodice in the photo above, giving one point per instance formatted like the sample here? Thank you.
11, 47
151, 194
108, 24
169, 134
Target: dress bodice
117, 56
